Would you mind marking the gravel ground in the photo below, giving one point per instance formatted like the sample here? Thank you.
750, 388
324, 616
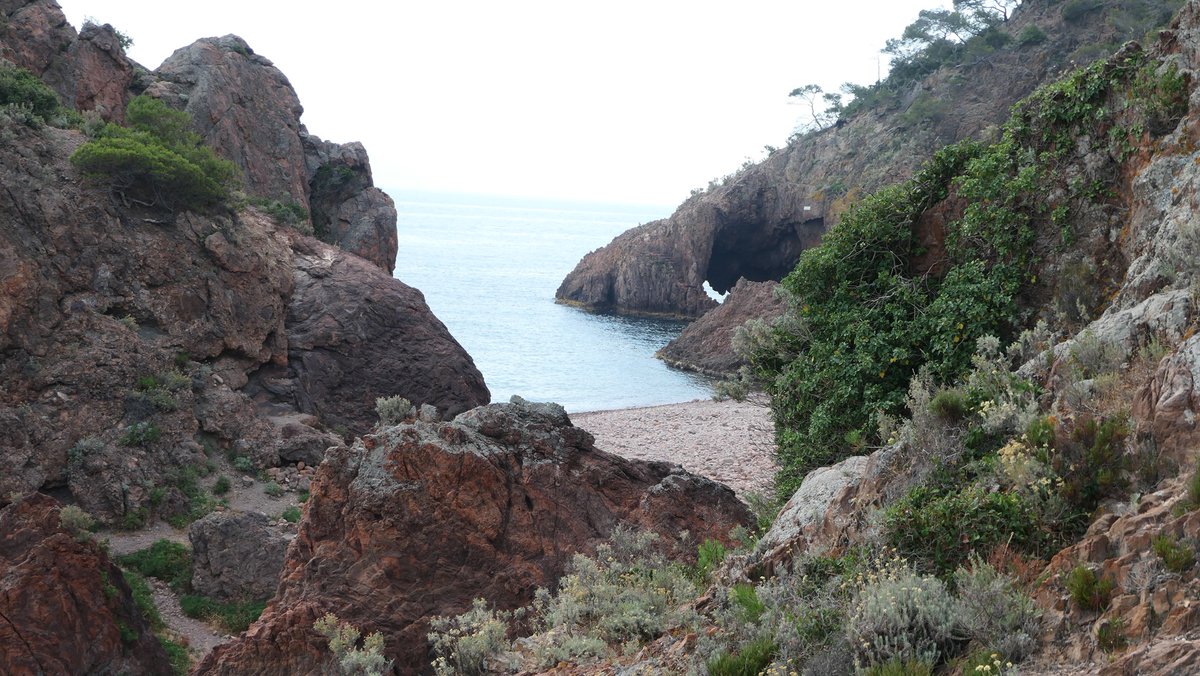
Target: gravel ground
731, 442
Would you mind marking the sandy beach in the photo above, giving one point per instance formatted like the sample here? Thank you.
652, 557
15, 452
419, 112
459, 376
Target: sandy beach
728, 441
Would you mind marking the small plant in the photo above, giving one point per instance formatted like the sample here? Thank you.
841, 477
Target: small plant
20, 88
751, 660
343, 643
1032, 35
302, 497
465, 643
143, 597
393, 410
76, 522
899, 667
1087, 591
291, 514
745, 599
949, 405
1176, 557
221, 486
709, 555
902, 617
1110, 635
273, 489
994, 613
243, 464
141, 434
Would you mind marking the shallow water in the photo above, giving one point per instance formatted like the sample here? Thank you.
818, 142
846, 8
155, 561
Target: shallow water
489, 267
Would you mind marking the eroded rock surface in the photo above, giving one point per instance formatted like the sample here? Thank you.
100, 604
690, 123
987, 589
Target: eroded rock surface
421, 518
64, 606
347, 209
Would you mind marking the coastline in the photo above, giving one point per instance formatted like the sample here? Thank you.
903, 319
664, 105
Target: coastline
727, 441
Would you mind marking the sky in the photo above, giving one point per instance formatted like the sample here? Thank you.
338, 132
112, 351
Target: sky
619, 101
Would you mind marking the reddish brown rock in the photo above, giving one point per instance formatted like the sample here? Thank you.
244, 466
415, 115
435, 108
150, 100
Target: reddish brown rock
1169, 403
491, 505
244, 107
347, 209
706, 345
64, 606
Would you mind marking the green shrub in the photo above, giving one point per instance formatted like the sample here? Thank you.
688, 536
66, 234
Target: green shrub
221, 486
165, 560
20, 88
1032, 35
291, 514
709, 555
393, 410
1075, 10
745, 599
1087, 591
143, 597
1092, 462
1110, 635
751, 660
284, 212
243, 464
178, 655
899, 667
76, 522
343, 643
463, 644
1175, 556
134, 519
234, 617
157, 160
141, 434
994, 613
949, 405
903, 617
273, 489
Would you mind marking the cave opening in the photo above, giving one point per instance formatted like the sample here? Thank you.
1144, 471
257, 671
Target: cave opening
759, 251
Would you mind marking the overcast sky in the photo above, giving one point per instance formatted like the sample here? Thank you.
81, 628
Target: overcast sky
618, 101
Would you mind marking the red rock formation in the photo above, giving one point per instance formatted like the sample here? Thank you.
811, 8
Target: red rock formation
347, 210
706, 345
422, 518
64, 606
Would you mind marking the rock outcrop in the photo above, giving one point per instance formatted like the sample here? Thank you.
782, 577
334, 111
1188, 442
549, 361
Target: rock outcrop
419, 519
706, 345
246, 109
88, 69
64, 606
236, 555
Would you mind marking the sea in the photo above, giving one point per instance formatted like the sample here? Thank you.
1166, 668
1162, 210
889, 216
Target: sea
489, 267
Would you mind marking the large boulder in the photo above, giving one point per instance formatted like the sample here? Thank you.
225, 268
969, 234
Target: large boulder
420, 519
347, 209
356, 334
64, 606
236, 555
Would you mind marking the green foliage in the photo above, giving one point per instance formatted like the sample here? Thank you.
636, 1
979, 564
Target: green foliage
995, 614
168, 561
1176, 557
1074, 10
284, 212
709, 555
903, 617
221, 486
393, 410
900, 667
949, 405
1032, 35
129, 635
343, 643
273, 489
234, 617
1092, 462
143, 597
76, 522
751, 660
141, 434
291, 514
1110, 635
1087, 591
243, 464
157, 160
178, 655
942, 528
745, 599
21, 89
463, 644
134, 519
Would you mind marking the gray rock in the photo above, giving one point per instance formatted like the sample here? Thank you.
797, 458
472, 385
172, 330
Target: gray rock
236, 555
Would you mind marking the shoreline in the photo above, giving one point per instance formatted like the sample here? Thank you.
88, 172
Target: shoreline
727, 441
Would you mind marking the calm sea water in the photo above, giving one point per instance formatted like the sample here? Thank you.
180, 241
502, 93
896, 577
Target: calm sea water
489, 267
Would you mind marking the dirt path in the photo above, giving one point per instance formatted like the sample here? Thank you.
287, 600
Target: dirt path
731, 442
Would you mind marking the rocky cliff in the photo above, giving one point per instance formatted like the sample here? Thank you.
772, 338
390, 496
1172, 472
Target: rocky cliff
755, 224
132, 339
418, 520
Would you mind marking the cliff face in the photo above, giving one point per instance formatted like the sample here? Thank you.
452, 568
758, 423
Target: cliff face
420, 519
758, 221
64, 605
130, 338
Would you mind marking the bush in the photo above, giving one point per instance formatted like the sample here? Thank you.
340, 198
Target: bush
168, 561
157, 160
1088, 592
291, 514
343, 642
949, 405
1032, 35
393, 410
1075, 10
1176, 557
995, 614
751, 660
899, 667
141, 434
463, 644
76, 522
243, 464
709, 555
178, 655
143, 597
20, 88
273, 489
221, 486
906, 618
